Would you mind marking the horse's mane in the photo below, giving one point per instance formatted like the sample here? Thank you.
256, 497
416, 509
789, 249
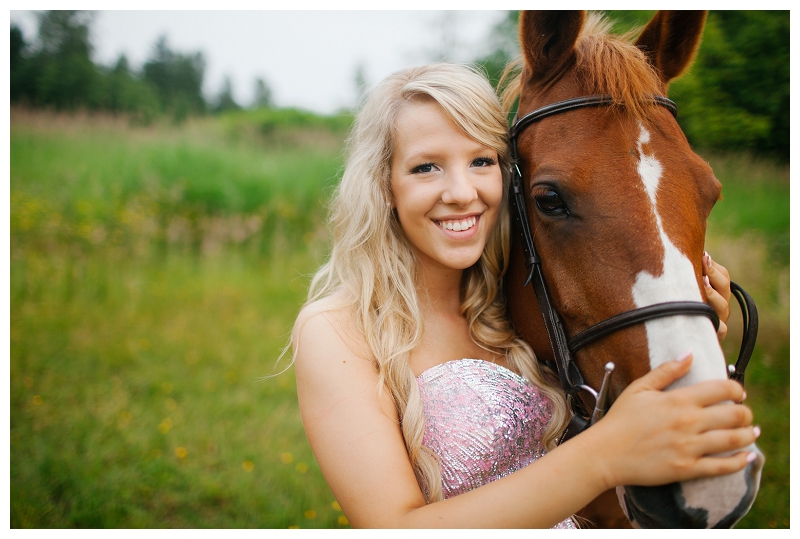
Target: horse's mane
606, 64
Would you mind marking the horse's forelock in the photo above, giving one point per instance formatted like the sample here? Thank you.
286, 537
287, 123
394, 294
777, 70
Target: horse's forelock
612, 65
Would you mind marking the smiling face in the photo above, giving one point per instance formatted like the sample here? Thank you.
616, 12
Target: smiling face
446, 187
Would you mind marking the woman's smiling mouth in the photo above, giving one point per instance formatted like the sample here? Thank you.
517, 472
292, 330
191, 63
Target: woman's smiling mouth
458, 225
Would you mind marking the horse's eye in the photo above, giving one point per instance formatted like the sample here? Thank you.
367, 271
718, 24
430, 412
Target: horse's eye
550, 203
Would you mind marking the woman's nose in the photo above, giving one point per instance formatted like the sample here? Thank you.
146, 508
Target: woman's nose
459, 189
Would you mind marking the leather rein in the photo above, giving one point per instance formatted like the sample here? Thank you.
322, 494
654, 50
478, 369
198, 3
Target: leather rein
569, 375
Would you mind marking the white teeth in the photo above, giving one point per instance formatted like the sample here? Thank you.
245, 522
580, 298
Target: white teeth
458, 226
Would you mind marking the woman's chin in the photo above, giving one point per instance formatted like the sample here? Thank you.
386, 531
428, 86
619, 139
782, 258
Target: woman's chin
459, 260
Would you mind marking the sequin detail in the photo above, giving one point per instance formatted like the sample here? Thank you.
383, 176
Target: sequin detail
483, 421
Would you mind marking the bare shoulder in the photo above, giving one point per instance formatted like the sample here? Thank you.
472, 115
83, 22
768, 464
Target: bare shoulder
332, 359
327, 325
332, 308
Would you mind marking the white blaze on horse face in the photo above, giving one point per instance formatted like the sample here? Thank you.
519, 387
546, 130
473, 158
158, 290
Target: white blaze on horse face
669, 337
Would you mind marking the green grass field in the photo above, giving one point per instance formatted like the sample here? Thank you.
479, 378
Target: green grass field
155, 275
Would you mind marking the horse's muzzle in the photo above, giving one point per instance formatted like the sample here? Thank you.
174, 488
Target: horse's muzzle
716, 502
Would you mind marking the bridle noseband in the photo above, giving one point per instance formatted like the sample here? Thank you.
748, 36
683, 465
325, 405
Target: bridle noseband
568, 373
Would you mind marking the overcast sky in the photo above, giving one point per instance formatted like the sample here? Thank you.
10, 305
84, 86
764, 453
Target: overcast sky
308, 58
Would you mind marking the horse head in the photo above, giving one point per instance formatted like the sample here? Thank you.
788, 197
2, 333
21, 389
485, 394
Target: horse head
617, 202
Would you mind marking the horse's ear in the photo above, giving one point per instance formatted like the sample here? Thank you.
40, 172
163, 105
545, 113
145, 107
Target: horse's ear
671, 40
547, 39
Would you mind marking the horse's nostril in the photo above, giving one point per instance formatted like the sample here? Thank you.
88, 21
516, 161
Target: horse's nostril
662, 507
628, 512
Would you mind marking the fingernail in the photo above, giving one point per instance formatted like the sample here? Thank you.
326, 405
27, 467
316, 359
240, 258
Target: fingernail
685, 355
706, 281
744, 395
751, 457
757, 431
706, 258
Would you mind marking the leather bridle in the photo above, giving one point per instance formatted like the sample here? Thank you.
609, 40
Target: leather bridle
563, 349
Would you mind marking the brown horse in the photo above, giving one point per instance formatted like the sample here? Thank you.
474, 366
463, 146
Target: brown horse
617, 202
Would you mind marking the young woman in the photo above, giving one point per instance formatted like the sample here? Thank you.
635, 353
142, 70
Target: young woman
406, 363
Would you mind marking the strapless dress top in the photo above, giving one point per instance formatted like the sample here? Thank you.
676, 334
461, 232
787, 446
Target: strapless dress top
483, 421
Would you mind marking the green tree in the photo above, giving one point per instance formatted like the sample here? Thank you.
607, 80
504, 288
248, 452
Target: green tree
61, 67
263, 95
225, 100
178, 79
127, 93
736, 95
19, 78
57, 70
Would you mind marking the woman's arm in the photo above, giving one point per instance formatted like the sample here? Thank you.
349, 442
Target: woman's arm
355, 434
352, 428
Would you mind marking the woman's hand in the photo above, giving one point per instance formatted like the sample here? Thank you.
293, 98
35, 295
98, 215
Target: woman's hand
653, 437
718, 291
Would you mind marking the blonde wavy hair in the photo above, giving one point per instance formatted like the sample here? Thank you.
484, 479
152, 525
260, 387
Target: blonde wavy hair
372, 269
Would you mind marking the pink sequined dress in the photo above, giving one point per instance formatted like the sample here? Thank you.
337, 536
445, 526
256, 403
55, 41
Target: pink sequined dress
483, 421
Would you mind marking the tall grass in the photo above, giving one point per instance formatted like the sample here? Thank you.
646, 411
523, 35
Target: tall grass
155, 275
192, 188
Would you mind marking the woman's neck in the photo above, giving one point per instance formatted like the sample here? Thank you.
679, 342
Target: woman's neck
439, 289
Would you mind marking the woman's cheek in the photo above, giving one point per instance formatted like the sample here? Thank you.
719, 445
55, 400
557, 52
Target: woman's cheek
495, 195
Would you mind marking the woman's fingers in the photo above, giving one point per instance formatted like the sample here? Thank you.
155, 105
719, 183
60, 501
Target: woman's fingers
722, 332
717, 284
715, 465
711, 392
724, 416
718, 276
664, 374
651, 436
721, 305
701, 394
722, 441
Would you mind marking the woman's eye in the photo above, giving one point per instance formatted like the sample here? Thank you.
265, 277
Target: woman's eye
422, 169
484, 162
550, 202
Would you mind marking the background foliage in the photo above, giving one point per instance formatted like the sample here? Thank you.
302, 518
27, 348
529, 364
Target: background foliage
56, 70
156, 270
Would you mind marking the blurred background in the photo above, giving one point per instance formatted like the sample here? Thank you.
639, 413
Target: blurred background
164, 229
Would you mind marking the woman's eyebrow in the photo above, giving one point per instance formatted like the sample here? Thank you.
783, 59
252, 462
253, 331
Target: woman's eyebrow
423, 155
